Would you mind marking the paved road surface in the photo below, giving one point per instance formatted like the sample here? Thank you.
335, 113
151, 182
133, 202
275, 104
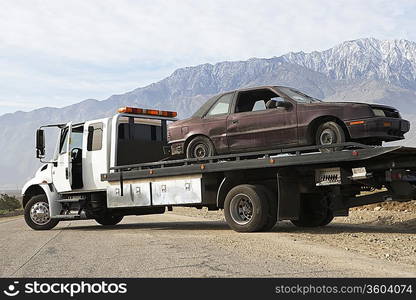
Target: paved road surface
173, 245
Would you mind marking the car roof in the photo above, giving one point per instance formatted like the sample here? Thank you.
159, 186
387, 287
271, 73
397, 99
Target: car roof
255, 88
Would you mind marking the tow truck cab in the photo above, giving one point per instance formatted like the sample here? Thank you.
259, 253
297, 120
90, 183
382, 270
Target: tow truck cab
86, 150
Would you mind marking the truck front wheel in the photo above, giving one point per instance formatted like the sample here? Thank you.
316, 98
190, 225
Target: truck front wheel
108, 220
246, 208
37, 214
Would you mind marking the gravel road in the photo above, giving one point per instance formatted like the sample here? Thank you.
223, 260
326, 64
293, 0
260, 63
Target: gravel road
198, 243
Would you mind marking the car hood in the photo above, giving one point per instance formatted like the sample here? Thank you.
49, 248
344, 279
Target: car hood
182, 122
372, 105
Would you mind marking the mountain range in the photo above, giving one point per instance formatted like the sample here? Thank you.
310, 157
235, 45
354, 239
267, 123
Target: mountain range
363, 70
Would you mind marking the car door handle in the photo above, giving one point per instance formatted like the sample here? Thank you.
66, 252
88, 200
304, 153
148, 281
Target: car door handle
235, 121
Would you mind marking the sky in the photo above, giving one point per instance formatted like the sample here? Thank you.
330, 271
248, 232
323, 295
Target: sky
56, 53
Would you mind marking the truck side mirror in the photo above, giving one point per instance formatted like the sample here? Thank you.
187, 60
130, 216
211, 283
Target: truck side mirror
40, 143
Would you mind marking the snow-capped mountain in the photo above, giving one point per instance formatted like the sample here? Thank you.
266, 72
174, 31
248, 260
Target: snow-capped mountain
393, 61
367, 70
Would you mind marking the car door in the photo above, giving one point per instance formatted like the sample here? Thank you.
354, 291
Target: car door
243, 131
61, 173
278, 126
215, 121
262, 128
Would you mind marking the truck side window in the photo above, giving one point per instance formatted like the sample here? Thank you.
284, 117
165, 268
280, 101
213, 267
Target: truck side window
95, 137
63, 140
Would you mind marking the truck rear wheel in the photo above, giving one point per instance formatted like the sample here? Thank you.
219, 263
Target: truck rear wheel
109, 220
314, 212
37, 214
272, 213
246, 208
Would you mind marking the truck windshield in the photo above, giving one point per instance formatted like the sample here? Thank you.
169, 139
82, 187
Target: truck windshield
298, 96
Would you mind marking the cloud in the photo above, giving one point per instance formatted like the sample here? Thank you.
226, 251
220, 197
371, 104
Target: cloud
91, 47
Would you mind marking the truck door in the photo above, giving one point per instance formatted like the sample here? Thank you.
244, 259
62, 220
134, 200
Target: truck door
61, 173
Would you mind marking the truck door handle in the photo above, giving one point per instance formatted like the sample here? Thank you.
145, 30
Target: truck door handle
235, 121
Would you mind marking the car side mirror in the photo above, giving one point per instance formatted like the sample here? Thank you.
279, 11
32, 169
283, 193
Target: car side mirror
284, 104
40, 143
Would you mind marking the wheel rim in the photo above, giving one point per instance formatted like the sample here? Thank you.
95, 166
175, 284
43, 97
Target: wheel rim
241, 209
327, 137
39, 213
200, 151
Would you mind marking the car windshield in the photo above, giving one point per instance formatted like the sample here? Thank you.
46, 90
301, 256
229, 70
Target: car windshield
203, 109
298, 96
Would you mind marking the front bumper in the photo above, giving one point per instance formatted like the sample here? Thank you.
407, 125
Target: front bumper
381, 128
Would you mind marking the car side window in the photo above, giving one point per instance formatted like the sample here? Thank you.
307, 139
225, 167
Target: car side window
259, 105
222, 106
256, 100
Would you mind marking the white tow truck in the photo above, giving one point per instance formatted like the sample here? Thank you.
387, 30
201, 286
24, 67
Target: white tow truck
108, 168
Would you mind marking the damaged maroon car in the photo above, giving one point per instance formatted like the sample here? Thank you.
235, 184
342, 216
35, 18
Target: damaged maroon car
271, 117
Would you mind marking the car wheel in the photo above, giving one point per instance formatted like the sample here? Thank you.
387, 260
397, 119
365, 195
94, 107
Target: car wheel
329, 133
37, 214
246, 208
200, 147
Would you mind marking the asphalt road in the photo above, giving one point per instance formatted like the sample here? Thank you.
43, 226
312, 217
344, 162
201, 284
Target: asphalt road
173, 245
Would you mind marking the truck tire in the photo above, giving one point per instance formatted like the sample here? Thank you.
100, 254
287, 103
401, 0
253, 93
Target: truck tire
329, 133
200, 147
314, 212
108, 220
246, 208
328, 219
37, 214
272, 213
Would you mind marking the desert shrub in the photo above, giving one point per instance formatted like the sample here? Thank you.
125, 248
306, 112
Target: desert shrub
9, 202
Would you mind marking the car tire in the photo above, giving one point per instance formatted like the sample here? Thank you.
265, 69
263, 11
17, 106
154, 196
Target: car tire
329, 133
37, 214
246, 208
200, 147
109, 220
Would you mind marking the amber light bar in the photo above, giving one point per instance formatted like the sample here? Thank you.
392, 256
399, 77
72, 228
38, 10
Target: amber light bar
151, 112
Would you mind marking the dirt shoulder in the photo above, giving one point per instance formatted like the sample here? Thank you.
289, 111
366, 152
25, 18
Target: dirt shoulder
7, 213
383, 231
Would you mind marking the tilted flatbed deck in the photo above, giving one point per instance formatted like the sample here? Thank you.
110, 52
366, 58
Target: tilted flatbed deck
352, 153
